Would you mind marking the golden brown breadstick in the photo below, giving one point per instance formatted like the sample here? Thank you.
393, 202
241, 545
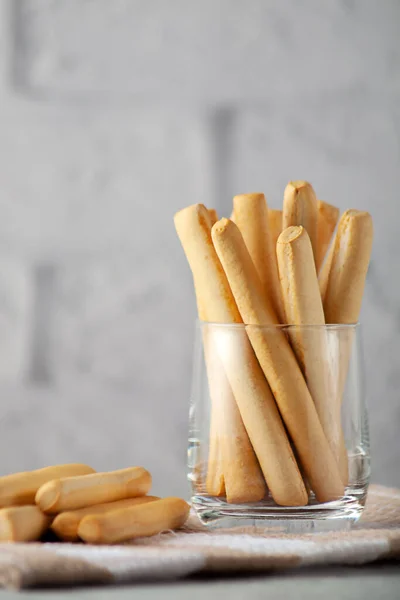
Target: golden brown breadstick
215, 481
22, 524
232, 435
251, 391
344, 285
70, 493
137, 521
232, 217
323, 275
243, 481
251, 216
351, 255
20, 488
66, 524
279, 364
275, 225
300, 208
303, 306
328, 216
213, 215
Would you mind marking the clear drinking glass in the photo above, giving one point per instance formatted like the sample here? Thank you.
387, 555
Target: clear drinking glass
278, 426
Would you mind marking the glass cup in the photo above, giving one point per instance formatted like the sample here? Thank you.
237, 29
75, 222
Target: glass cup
278, 426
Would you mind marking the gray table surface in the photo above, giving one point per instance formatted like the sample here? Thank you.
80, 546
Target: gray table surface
375, 581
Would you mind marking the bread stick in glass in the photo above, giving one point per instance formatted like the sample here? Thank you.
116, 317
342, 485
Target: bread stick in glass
279, 364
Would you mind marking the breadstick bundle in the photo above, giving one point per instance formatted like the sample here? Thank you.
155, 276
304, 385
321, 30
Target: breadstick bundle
77, 503
275, 414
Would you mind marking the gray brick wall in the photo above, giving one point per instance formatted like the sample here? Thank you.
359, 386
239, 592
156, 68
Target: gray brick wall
115, 114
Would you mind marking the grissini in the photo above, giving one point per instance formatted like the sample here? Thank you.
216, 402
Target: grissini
243, 480
22, 524
66, 524
328, 216
300, 208
137, 521
232, 217
323, 275
278, 363
70, 493
20, 488
251, 216
251, 391
213, 215
303, 306
233, 441
215, 481
275, 225
350, 260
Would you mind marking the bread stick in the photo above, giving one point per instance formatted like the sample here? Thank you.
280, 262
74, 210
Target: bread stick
137, 521
213, 215
251, 216
328, 216
243, 480
300, 208
70, 493
279, 364
215, 481
351, 255
303, 306
66, 524
22, 524
344, 289
253, 396
275, 225
20, 488
323, 274
232, 435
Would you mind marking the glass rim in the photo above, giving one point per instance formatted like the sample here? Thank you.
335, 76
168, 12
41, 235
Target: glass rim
282, 326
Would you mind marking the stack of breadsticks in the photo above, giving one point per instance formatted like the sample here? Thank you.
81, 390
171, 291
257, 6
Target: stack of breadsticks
275, 409
77, 503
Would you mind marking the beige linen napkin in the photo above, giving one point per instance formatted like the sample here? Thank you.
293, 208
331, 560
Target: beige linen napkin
174, 555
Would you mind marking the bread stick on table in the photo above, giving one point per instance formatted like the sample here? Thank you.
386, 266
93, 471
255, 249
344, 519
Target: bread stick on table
300, 208
66, 524
303, 306
20, 488
22, 524
137, 521
243, 479
251, 391
328, 216
252, 218
279, 364
70, 493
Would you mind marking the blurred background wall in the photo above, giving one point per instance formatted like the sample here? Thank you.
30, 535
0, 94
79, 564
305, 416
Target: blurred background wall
115, 114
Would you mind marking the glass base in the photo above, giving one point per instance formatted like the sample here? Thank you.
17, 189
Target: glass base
266, 515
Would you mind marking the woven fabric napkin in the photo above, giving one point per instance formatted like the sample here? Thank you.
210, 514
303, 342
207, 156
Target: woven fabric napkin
174, 555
